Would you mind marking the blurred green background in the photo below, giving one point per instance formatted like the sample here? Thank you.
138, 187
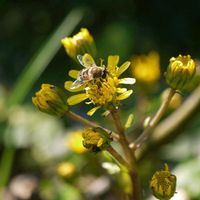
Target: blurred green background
32, 143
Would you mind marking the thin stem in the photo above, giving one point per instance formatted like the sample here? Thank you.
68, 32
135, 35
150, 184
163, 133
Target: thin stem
117, 156
136, 190
154, 121
86, 122
6, 165
174, 124
122, 138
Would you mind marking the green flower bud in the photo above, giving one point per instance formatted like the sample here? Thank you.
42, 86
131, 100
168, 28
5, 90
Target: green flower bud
180, 72
163, 184
51, 99
79, 44
95, 140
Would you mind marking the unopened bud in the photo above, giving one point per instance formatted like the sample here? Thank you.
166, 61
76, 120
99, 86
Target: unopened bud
80, 43
163, 184
51, 99
95, 140
180, 72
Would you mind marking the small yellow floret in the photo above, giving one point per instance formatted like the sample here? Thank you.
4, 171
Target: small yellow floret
146, 68
74, 142
66, 169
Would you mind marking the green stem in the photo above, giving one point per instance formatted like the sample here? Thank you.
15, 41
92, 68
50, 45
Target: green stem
122, 138
117, 156
6, 165
154, 121
89, 123
136, 190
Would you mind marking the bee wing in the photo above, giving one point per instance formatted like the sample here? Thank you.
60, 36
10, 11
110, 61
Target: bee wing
86, 60
76, 84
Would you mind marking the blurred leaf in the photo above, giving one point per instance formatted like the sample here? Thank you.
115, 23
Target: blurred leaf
43, 57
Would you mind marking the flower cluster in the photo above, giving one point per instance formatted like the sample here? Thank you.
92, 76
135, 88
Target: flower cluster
163, 184
101, 91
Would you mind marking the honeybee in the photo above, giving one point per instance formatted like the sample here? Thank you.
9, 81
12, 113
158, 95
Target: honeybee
90, 72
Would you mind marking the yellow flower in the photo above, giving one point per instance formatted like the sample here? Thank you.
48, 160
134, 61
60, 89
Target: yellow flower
74, 142
180, 72
146, 68
66, 169
101, 91
51, 99
163, 184
94, 139
80, 43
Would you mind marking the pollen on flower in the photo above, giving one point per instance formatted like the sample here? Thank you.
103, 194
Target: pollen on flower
103, 91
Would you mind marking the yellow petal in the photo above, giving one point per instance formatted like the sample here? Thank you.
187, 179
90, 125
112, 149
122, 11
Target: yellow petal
125, 95
93, 110
112, 62
75, 99
100, 142
123, 68
73, 73
68, 85
121, 90
129, 121
127, 81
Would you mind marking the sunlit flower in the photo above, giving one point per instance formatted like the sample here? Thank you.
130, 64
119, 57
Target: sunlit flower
51, 99
180, 72
102, 91
80, 43
163, 184
66, 169
74, 142
146, 68
94, 140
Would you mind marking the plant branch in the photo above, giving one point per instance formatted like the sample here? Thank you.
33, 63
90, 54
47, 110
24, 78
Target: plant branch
86, 122
154, 121
122, 138
136, 190
117, 156
167, 129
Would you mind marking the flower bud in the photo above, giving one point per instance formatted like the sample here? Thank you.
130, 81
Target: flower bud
80, 43
51, 99
180, 72
94, 140
163, 184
